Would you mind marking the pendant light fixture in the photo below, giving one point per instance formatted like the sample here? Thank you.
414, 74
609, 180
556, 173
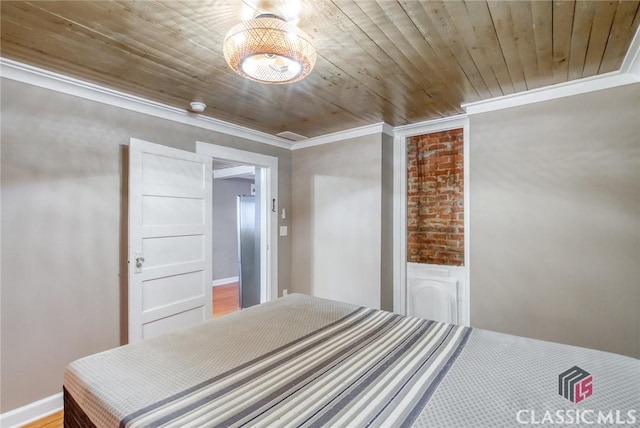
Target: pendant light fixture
268, 49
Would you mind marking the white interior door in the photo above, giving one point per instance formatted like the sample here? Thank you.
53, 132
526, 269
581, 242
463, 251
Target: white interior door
170, 249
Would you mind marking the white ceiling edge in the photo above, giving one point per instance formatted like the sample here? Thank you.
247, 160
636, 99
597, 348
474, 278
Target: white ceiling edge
35, 76
361, 131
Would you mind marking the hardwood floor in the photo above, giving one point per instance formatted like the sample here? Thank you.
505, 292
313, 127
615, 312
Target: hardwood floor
226, 299
52, 421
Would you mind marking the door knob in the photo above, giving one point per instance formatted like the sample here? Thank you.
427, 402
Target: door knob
139, 261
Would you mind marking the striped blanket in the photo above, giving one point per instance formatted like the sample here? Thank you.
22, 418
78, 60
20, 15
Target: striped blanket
369, 368
304, 361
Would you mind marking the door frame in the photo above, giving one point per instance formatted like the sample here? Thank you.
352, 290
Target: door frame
400, 208
268, 216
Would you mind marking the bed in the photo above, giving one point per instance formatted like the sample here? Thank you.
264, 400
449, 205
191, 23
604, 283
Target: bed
306, 361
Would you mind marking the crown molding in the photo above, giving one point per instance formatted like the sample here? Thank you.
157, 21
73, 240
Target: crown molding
547, 93
388, 129
35, 76
436, 125
361, 131
629, 73
631, 62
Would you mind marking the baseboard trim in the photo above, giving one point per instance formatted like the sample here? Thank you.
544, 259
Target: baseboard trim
224, 281
32, 412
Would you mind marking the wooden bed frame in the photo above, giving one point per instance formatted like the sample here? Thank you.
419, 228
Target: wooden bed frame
74, 416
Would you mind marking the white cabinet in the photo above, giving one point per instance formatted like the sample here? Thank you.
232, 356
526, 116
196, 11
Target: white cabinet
437, 292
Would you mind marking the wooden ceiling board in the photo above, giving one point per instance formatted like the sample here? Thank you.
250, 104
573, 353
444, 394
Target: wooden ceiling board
604, 13
446, 59
374, 64
459, 19
582, 19
427, 45
542, 12
481, 41
562, 24
394, 35
397, 61
625, 24
501, 16
525, 41
453, 41
112, 59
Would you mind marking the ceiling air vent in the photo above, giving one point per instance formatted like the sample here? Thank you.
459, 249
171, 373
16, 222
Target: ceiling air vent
292, 136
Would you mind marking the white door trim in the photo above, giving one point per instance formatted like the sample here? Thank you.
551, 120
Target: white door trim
400, 207
465, 316
400, 225
269, 217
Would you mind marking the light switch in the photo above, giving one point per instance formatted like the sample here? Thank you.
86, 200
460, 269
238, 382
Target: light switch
283, 230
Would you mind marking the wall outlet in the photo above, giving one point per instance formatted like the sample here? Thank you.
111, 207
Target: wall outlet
285, 292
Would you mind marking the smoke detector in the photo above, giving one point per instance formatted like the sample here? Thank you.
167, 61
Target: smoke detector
197, 106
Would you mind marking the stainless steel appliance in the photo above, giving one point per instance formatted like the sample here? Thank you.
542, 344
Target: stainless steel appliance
248, 251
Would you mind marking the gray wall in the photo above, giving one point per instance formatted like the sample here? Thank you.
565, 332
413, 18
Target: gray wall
225, 225
555, 220
62, 186
386, 244
336, 237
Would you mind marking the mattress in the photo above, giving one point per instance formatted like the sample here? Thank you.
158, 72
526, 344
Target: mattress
306, 361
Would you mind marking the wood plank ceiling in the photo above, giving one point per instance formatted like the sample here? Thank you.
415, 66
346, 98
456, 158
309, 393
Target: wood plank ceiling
399, 62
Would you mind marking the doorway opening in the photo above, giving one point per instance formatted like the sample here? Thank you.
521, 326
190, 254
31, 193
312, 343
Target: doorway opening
249, 183
236, 236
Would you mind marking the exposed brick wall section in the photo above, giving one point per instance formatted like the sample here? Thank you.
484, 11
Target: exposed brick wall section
435, 198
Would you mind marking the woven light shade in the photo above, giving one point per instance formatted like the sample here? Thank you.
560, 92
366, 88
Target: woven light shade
268, 49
